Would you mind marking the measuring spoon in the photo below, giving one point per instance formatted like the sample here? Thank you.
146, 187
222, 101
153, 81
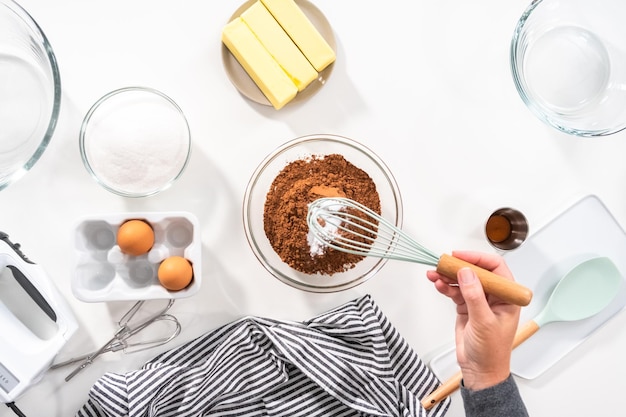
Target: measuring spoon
582, 293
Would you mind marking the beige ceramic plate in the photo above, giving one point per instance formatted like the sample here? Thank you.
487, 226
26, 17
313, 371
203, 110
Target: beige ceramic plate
246, 86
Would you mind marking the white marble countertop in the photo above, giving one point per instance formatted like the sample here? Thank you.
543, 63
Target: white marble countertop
425, 85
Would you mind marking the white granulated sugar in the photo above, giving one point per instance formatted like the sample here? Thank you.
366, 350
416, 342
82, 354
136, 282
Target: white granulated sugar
138, 147
318, 248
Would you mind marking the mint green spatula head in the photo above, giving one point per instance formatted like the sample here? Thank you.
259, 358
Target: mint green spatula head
583, 292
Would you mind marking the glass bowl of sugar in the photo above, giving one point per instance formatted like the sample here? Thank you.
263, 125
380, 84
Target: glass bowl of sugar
135, 141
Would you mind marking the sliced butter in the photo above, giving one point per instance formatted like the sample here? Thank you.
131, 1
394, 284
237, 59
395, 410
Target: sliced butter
302, 32
258, 63
279, 45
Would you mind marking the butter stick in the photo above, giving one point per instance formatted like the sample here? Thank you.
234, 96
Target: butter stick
279, 45
258, 63
300, 29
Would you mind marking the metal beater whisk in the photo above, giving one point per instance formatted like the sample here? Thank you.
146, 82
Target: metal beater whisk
349, 226
126, 330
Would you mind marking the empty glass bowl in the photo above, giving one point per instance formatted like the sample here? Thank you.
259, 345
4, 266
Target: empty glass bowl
30, 92
569, 64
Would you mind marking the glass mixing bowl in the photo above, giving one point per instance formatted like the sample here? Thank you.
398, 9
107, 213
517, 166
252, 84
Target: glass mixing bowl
569, 64
259, 185
30, 92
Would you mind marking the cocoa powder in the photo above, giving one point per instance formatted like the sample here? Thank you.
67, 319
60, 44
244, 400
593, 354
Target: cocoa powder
286, 205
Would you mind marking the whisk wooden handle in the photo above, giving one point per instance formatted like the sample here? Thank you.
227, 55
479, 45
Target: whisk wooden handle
493, 284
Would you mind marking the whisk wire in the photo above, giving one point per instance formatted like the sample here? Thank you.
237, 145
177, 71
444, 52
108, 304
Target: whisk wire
334, 225
348, 226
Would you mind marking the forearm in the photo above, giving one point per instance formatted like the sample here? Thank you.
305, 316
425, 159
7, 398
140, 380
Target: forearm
502, 399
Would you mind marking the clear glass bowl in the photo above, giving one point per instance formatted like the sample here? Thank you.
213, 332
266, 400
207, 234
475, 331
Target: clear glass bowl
569, 64
135, 141
259, 185
30, 92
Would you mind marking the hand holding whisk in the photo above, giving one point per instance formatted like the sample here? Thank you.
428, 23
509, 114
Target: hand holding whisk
348, 226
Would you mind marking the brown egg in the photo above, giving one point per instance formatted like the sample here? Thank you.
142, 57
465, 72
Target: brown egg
175, 273
135, 237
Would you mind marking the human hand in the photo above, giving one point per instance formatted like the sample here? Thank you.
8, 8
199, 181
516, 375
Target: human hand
485, 326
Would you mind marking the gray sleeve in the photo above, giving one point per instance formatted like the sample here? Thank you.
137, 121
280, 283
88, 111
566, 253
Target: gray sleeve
500, 400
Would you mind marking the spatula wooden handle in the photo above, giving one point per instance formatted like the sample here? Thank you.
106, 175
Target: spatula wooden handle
524, 332
493, 284
454, 382
444, 390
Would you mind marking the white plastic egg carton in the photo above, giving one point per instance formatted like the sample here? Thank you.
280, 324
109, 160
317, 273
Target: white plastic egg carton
103, 273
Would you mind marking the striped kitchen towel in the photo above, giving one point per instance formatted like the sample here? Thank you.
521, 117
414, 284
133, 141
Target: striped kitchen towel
349, 361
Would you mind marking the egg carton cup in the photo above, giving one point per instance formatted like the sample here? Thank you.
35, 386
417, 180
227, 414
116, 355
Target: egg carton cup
104, 273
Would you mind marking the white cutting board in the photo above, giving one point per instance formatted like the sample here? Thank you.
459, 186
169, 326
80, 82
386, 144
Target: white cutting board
585, 230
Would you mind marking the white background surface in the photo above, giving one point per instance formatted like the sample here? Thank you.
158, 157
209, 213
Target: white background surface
426, 85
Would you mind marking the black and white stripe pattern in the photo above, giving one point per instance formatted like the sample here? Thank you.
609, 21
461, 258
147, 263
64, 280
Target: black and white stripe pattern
349, 361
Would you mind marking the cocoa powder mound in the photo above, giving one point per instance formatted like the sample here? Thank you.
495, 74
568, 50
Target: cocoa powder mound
286, 206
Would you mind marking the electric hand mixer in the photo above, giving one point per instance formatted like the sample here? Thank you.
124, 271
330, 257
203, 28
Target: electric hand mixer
348, 226
35, 321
